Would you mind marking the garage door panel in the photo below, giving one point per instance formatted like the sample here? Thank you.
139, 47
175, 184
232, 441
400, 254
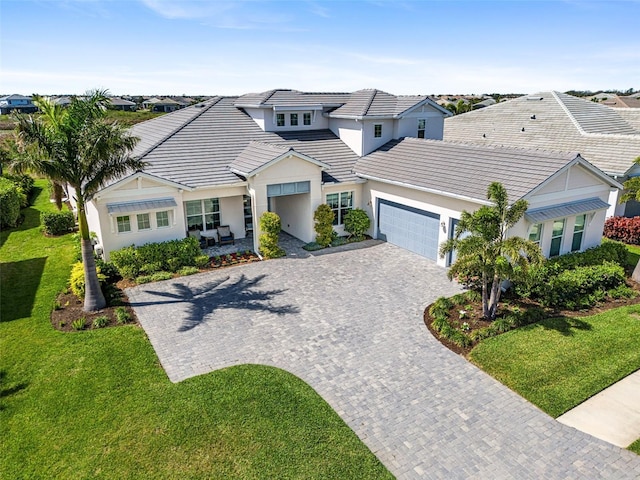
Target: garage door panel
410, 228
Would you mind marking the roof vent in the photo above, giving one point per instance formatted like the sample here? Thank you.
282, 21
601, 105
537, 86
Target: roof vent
533, 117
523, 129
535, 98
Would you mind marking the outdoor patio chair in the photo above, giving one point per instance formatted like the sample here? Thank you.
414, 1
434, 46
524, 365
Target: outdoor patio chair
196, 234
225, 235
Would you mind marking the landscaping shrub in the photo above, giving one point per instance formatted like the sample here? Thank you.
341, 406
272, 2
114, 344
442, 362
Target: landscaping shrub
57, 223
76, 279
202, 261
11, 198
109, 270
158, 276
25, 184
624, 229
154, 257
270, 226
184, 271
143, 279
312, 246
337, 241
536, 282
122, 315
582, 287
101, 321
357, 223
323, 217
79, 323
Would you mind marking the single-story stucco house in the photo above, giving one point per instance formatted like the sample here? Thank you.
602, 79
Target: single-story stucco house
230, 159
609, 138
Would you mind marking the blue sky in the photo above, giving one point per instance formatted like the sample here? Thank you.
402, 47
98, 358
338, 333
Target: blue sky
232, 47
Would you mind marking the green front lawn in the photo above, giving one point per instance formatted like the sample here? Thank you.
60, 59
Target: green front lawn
560, 362
97, 404
633, 255
635, 446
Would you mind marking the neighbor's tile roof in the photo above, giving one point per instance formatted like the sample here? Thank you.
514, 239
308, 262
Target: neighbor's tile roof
195, 146
554, 121
461, 169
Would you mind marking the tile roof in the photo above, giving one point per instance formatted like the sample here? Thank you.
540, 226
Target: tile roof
376, 103
448, 167
255, 155
557, 122
290, 98
195, 146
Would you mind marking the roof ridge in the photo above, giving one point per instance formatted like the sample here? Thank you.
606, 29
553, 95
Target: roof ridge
374, 92
176, 130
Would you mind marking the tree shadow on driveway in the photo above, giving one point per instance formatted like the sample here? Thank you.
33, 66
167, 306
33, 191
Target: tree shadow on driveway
206, 299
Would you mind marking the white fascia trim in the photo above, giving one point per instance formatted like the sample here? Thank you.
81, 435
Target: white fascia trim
351, 182
424, 189
148, 176
364, 117
226, 185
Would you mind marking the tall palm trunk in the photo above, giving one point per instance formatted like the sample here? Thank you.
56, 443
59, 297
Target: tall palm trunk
93, 297
57, 194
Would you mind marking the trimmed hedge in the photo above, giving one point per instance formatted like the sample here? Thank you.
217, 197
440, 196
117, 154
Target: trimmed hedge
582, 287
357, 222
270, 226
154, 257
25, 184
57, 223
624, 229
323, 217
11, 198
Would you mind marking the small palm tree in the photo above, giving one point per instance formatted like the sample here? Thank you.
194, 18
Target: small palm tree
486, 250
78, 147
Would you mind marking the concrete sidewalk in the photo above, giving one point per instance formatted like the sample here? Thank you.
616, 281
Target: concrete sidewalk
613, 415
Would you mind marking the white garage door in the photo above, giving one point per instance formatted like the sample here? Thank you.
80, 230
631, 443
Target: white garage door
408, 227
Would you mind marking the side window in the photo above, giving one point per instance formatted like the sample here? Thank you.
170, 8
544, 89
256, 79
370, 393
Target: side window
162, 219
377, 130
422, 127
578, 232
293, 119
143, 221
306, 118
556, 238
535, 233
280, 119
124, 224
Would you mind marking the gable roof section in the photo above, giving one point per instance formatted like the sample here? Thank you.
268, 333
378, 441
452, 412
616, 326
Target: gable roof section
557, 122
259, 155
446, 168
195, 146
290, 98
376, 103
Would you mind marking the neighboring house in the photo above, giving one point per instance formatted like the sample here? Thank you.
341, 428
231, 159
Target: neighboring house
62, 101
230, 159
165, 105
609, 138
622, 102
16, 103
118, 103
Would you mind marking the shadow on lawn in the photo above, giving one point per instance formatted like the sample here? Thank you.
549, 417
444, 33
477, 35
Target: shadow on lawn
204, 300
20, 282
6, 390
565, 325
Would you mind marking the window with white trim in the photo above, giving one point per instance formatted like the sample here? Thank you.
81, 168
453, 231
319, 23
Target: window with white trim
203, 214
556, 237
306, 118
293, 119
535, 233
124, 224
578, 232
422, 127
280, 119
162, 219
144, 223
340, 203
377, 130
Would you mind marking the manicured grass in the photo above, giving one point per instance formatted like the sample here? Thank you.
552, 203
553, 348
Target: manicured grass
635, 446
560, 362
97, 404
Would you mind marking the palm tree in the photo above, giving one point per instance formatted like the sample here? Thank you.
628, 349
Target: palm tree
486, 251
80, 148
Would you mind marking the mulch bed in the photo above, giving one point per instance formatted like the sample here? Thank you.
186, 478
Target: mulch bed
474, 315
70, 309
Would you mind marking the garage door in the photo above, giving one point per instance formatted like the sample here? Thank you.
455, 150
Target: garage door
410, 228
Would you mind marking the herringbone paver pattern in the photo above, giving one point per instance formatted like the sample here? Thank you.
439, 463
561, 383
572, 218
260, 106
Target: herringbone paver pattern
350, 324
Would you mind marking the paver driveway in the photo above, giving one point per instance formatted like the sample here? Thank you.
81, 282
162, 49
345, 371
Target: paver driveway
350, 324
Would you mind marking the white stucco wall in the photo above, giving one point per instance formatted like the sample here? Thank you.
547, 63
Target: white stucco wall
266, 119
371, 143
407, 126
358, 199
350, 132
231, 207
299, 218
